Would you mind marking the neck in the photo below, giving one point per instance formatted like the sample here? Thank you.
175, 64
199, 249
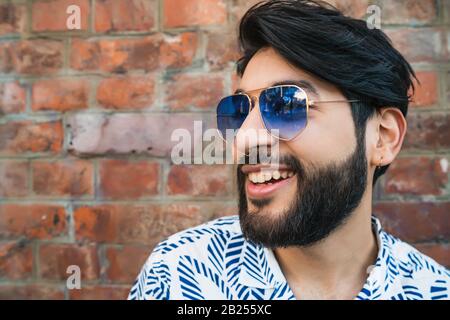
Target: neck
343, 257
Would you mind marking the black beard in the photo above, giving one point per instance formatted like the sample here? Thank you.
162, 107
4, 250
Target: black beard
326, 198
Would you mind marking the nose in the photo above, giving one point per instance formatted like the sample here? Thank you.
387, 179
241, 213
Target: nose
252, 134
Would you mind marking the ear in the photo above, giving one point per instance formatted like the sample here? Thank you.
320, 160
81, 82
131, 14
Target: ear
391, 130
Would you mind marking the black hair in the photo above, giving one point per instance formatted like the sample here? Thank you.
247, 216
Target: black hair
316, 37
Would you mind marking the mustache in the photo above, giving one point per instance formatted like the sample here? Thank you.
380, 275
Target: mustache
287, 160
259, 155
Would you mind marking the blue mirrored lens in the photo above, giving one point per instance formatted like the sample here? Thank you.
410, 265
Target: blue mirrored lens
231, 112
284, 109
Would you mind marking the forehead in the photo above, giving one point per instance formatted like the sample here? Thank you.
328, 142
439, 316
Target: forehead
267, 67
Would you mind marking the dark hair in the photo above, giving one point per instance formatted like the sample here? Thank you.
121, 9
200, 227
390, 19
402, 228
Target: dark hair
316, 37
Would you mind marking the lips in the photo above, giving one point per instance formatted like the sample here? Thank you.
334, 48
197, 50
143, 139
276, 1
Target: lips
264, 181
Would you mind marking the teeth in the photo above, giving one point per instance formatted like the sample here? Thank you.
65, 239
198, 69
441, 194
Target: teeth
276, 175
263, 176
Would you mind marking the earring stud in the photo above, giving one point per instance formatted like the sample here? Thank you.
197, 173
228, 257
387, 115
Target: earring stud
379, 165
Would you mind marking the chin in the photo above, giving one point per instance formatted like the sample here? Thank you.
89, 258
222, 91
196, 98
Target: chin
268, 208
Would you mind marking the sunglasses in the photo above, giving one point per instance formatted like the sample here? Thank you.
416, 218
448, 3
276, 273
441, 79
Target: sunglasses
283, 109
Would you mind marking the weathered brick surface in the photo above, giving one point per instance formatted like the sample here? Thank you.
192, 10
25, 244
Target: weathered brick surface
130, 133
12, 98
41, 10
13, 18
125, 15
87, 117
194, 12
60, 94
32, 221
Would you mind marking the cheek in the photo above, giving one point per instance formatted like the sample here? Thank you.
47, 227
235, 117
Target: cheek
325, 139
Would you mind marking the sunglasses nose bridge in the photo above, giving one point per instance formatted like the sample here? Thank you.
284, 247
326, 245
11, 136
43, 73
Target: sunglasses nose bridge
253, 101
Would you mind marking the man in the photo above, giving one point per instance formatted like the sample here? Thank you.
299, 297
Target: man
331, 96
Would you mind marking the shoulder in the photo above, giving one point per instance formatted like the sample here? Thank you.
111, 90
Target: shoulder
184, 250
420, 264
419, 274
195, 238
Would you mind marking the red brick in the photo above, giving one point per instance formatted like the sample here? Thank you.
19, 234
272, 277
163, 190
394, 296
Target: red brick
58, 21
60, 94
126, 92
415, 222
134, 224
63, 178
222, 49
12, 18
100, 292
97, 223
125, 133
239, 7
116, 55
85, 54
124, 15
428, 131
16, 260
354, 8
38, 221
178, 51
426, 93
127, 54
37, 56
12, 97
418, 176
217, 210
437, 251
31, 292
13, 179
121, 179
408, 11
418, 44
177, 217
200, 180
199, 91
26, 136
399, 11
6, 64
54, 259
194, 12
122, 55
124, 263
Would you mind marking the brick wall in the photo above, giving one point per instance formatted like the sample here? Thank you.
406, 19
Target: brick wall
86, 115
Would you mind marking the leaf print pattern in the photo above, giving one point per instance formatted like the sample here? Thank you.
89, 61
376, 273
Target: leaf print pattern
215, 261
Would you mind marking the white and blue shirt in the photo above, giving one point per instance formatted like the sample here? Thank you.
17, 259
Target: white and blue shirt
214, 261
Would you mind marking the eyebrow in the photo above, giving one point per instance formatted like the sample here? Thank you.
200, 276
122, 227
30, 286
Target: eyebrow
304, 84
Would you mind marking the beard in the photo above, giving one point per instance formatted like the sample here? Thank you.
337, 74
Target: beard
325, 198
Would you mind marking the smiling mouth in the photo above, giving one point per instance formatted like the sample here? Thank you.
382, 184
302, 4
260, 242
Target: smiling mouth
263, 182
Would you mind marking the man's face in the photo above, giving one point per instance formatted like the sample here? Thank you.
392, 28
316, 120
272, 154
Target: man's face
325, 166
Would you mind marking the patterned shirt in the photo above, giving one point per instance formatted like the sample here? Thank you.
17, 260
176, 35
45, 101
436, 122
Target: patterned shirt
215, 261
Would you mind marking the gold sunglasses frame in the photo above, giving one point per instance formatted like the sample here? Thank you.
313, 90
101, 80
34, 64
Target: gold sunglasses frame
253, 99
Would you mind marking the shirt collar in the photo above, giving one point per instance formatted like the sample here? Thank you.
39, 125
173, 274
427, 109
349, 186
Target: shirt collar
264, 272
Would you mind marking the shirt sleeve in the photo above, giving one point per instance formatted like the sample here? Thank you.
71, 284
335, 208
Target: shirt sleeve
153, 281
